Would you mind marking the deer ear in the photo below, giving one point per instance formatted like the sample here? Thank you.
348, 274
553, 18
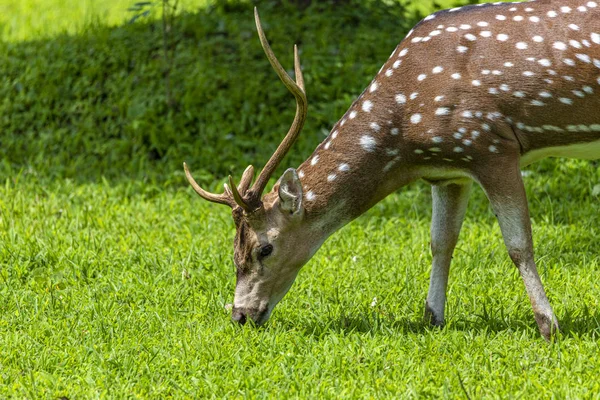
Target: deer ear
290, 192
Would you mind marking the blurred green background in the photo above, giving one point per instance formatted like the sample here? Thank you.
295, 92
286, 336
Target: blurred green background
92, 89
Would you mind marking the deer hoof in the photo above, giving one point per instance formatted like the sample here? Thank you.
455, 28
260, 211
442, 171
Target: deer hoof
548, 325
431, 318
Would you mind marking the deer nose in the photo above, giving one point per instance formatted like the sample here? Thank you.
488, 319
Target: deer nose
238, 316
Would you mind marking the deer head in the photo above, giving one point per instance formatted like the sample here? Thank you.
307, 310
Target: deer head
270, 247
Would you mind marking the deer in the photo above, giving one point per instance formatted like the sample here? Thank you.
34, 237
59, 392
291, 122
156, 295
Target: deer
471, 94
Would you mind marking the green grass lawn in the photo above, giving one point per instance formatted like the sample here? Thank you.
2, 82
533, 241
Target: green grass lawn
119, 290
22, 20
114, 274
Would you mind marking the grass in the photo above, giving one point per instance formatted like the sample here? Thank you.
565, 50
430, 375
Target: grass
114, 275
22, 20
119, 291
35, 19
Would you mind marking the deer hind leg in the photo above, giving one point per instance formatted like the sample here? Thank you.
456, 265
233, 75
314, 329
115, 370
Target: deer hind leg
449, 207
506, 192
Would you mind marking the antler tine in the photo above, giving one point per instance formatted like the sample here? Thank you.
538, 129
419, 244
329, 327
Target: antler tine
297, 89
239, 200
247, 177
224, 198
298, 70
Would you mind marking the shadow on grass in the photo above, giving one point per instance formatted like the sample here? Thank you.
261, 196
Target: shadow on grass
574, 324
580, 322
366, 323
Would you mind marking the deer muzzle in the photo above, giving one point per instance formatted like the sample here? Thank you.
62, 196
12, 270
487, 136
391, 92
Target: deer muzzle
241, 315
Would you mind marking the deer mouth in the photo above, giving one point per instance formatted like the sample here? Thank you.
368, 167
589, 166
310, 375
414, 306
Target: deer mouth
257, 317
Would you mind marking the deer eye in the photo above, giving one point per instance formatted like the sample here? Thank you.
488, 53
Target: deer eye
265, 251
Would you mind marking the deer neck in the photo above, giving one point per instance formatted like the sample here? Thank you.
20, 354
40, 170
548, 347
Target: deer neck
354, 168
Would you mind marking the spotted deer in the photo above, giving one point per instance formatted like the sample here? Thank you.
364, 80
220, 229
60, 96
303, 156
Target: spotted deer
470, 94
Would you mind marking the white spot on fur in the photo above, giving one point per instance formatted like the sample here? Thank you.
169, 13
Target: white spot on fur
368, 143
522, 46
545, 62
584, 57
559, 46
566, 100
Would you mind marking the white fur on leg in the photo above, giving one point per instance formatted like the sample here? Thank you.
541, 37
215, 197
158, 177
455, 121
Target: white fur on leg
449, 207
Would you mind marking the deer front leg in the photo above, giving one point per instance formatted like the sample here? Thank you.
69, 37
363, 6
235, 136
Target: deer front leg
506, 193
449, 207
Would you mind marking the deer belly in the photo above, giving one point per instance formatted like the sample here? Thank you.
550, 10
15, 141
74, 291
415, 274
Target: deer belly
586, 151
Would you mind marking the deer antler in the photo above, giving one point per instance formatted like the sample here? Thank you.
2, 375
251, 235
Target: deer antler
249, 200
297, 89
224, 198
231, 196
